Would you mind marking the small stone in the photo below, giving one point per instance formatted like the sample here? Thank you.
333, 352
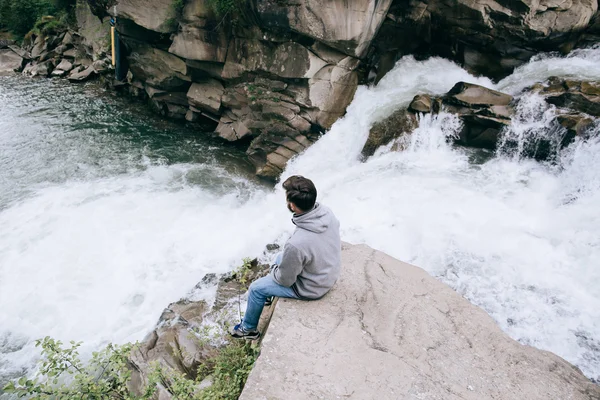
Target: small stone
421, 103
273, 247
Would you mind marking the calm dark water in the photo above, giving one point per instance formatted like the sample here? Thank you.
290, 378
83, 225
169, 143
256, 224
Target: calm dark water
52, 131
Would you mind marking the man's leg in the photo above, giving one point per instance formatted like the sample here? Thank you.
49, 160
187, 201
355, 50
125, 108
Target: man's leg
257, 294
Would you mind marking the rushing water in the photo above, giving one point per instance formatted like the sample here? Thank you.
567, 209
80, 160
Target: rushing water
106, 218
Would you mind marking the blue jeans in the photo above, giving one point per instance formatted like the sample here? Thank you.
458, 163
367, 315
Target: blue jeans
258, 292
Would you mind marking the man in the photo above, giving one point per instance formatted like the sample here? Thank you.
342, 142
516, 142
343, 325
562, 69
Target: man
310, 263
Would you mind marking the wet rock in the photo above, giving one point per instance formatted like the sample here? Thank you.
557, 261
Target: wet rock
484, 113
421, 103
206, 95
576, 124
42, 69
401, 122
575, 95
101, 66
59, 73
273, 247
83, 75
10, 62
475, 96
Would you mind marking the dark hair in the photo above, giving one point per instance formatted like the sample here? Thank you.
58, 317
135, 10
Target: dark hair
301, 192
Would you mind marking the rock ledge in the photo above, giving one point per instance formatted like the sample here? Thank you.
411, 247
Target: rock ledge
388, 330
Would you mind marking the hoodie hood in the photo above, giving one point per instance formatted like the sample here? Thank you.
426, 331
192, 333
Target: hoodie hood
316, 220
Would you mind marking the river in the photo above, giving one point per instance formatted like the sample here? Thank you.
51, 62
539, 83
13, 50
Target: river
107, 213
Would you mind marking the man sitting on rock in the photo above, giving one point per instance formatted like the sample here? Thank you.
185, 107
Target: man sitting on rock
310, 263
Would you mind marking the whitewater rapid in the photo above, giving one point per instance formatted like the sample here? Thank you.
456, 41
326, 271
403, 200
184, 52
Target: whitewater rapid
98, 259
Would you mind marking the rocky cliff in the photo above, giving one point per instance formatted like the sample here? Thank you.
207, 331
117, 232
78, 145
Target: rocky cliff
274, 74
277, 74
388, 330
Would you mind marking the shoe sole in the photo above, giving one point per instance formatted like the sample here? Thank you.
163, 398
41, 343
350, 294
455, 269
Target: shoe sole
245, 337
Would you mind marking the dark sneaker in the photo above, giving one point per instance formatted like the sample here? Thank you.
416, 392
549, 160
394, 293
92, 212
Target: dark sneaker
240, 333
269, 301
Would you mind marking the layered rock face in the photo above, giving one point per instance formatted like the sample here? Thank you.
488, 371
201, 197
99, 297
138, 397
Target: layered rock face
488, 37
276, 76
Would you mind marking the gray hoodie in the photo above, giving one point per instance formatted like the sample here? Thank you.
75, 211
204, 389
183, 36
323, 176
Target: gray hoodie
312, 256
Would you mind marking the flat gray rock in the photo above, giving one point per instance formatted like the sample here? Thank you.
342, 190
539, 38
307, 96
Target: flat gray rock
388, 330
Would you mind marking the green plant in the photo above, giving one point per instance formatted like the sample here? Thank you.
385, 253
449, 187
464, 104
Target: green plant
20, 16
232, 365
49, 25
243, 273
177, 7
223, 8
62, 375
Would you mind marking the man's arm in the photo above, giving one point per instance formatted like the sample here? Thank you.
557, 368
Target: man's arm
291, 266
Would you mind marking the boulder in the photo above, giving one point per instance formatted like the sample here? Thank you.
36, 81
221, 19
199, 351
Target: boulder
155, 15
40, 46
400, 123
82, 75
101, 66
575, 95
42, 69
169, 104
159, 68
71, 53
95, 33
206, 95
200, 44
172, 344
10, 62
422, 103
389, 330
69, 39
348, 26
484, 113
576, 124
20, 52
59, 73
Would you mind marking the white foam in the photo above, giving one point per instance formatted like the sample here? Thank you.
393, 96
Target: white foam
98, 261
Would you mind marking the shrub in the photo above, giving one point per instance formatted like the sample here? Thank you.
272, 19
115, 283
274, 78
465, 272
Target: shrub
62, 375
223, 8
20, 16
